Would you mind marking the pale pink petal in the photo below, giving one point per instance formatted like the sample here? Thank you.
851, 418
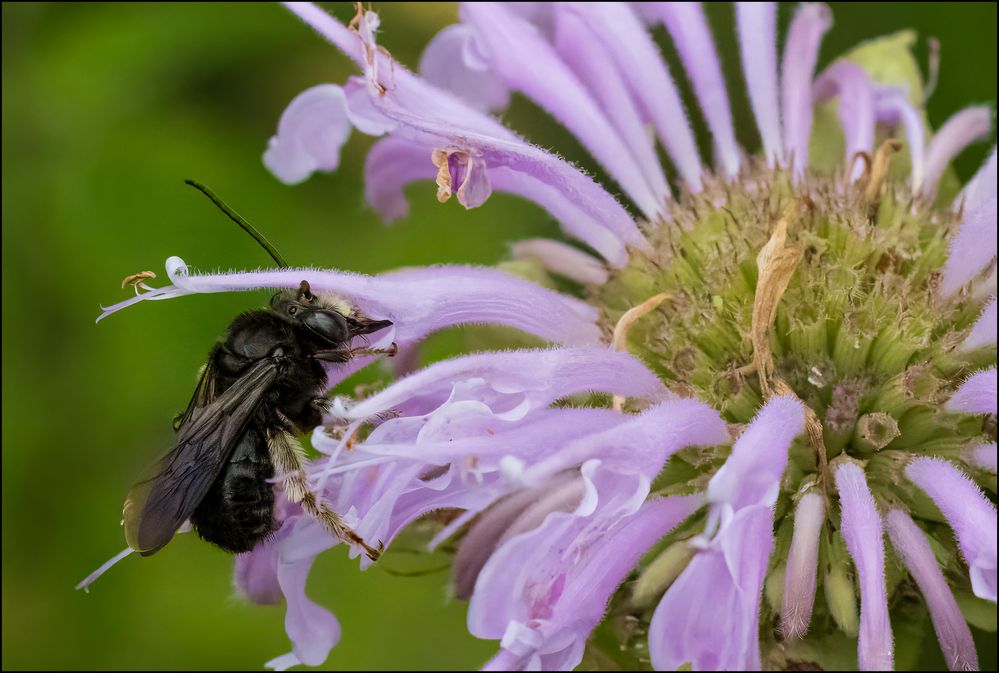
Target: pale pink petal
802, 566
562, 259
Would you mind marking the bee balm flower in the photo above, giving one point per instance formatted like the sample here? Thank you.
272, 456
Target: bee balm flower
827, 302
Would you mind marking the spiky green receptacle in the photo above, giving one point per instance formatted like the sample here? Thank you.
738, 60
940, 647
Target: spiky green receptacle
861, 336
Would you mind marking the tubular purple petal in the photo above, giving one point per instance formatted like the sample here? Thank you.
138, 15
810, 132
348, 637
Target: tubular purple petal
862, 530
977, 395
562, 259
968, 512
588, 57
983, 332
255, 574
757, 27
752, 474
856, 106
390, 166
484, 535
728, 576
802, 566
952, 631
544, 590
642, 443
419, 301
962, 129
801, 52
728, 572
393, 163
529, 64
543, 375
452, 61
311, 131
640, 63
690, 33
335, 32
432, 117
982, 456
974, 246
892, 106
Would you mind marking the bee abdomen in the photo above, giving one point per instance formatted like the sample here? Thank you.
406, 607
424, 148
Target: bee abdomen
238, 511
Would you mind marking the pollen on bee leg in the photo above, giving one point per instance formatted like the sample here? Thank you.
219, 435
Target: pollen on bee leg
623, 326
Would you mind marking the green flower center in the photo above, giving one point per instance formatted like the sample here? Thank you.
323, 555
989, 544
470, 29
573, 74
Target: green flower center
859, 334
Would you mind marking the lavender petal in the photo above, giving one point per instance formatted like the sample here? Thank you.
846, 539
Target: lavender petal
856, 106
757, 27
977, 395
589, 58
529, 64
952, 631
802, 566
419, 301
452, 61
892, 107
983, 332
862, 530
643, 68
970, 515
962, 129
801, 52
974, 246
689, 30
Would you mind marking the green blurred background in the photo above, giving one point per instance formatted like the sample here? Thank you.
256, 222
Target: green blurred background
106, 109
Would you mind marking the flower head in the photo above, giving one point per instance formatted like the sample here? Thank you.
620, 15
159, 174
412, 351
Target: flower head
809, 333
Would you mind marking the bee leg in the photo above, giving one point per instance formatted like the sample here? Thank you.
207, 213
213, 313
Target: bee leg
286, 454
391, 351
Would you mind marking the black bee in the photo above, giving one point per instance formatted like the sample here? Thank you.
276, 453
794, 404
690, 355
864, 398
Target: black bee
263, 383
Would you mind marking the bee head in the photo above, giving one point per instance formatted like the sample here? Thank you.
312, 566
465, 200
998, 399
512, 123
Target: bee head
303, 308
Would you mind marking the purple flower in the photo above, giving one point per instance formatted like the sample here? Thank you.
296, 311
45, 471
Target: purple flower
811, 300
863, 532
728, 570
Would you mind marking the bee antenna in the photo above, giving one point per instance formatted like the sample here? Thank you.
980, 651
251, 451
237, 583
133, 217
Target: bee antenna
238, 219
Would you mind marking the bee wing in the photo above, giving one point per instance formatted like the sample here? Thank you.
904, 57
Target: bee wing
204, 393
172, 488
